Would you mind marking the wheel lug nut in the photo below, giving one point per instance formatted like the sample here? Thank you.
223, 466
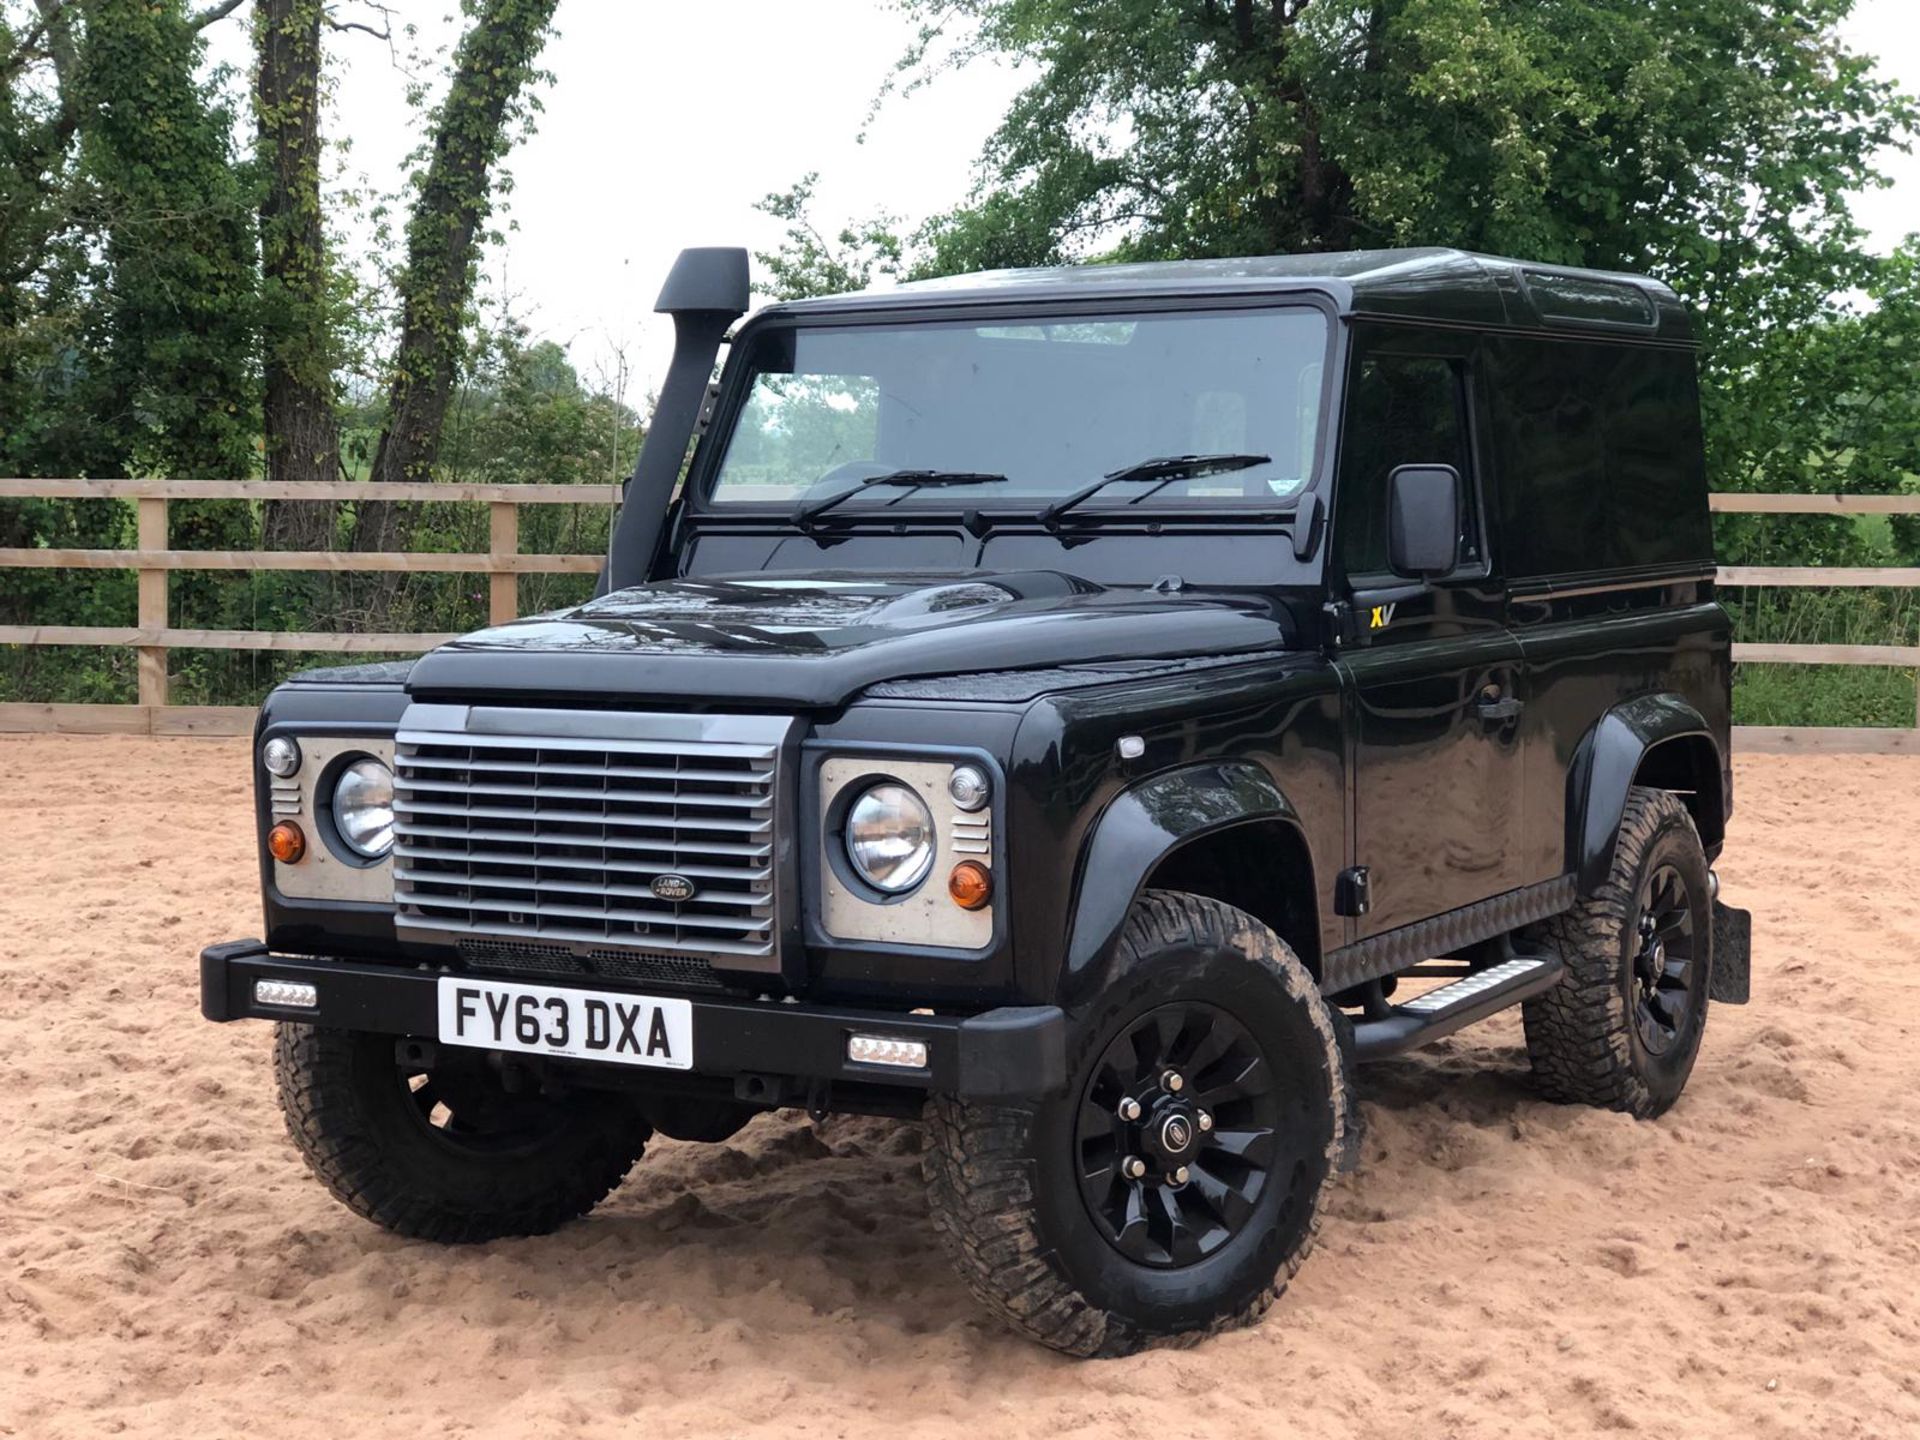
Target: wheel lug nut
1172, 1081
1134, 1167
1129, 1109
1179, 1177
1205, 1121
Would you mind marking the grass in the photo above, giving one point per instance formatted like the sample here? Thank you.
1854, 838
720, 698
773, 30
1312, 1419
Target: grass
1805, 695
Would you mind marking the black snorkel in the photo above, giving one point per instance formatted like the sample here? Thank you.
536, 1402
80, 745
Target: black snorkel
706, 291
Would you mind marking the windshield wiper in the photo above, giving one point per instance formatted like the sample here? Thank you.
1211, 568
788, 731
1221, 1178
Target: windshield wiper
805, 513
1164, 470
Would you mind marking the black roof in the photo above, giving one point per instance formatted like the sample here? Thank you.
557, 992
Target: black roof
1434, 284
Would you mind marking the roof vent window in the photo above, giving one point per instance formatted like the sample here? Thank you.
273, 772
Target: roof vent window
1583, 300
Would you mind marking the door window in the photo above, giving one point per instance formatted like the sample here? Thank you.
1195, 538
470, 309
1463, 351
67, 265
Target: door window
1401, 410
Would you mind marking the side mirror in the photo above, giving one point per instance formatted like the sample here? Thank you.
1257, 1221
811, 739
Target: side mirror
1423, 520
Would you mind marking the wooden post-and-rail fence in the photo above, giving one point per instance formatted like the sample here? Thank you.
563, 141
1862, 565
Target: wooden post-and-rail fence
152, 638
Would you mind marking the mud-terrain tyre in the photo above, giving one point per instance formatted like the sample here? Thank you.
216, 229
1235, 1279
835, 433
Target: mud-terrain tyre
446, 1155
1622, 1028
1207, 1017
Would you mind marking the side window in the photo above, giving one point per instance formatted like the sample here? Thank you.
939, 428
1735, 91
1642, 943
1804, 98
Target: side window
1598, 449
1401, 410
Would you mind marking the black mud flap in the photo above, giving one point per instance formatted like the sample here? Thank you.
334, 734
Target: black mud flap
1732, 955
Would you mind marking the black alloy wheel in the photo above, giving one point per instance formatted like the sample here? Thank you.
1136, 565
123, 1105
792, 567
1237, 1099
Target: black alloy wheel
1177, 1131
1664, 976
450, 1153
1174, 1185
462, 1106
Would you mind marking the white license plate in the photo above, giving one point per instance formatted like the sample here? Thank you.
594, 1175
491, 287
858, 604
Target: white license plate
578, 1024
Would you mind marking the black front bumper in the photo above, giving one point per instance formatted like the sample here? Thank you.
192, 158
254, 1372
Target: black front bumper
1018, 1051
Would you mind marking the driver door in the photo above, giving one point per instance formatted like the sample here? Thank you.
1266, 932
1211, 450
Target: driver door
1432, 676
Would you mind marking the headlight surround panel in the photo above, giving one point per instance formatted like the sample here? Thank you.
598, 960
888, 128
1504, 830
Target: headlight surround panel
846, 907
330, 870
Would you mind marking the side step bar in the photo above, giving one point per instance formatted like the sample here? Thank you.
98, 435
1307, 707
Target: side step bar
1453, 1007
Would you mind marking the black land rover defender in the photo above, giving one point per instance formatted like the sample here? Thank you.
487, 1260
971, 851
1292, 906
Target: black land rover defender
1077, 707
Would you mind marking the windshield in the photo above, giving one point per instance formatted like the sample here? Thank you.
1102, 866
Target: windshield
1050, 403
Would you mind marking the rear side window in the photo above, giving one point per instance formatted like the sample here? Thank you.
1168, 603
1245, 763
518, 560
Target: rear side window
1597, 457
1401, 410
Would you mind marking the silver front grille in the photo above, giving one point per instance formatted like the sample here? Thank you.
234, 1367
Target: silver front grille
551, 826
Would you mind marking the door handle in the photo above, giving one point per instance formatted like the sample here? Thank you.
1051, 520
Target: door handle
1495, 706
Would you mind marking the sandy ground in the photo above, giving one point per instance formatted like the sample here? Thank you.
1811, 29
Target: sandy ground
1748, 1266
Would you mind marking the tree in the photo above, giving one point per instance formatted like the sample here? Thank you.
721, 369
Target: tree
173, 364
807, 263
472, 129
299, 348
1714, 143
39, 115
1625, 132
127, 293
126, 252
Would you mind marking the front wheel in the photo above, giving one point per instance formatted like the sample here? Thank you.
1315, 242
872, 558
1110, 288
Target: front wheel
1176, 1185
449, 1153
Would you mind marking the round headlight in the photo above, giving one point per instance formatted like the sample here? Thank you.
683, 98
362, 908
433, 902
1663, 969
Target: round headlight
281, 756
890, 838
363, 808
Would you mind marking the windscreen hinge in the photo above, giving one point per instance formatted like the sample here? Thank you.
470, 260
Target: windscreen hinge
709, 403
1339, 618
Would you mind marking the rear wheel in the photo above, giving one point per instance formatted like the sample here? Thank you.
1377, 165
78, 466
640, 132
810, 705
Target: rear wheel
1176, 1186
447, 1153
1623, 1027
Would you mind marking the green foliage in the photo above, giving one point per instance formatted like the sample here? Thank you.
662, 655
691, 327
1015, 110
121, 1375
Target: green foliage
127, 299
170, 373
807, 263
152, 278
1827, 694
126, 251
1832, 407
1700, 136
489, 94
306, 302
525, 416
149, 284
300, 298
1802, 695
1717, 144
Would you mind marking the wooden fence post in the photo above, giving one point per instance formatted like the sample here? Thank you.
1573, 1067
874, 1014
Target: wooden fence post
503, 591
152, 535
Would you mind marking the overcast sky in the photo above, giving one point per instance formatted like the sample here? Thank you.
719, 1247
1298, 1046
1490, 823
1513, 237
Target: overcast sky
665, 123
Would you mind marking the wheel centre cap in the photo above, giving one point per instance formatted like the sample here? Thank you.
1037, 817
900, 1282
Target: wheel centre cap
1176, 1134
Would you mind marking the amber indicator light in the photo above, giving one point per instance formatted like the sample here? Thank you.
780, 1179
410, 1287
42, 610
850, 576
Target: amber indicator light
285, 842
970, 885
